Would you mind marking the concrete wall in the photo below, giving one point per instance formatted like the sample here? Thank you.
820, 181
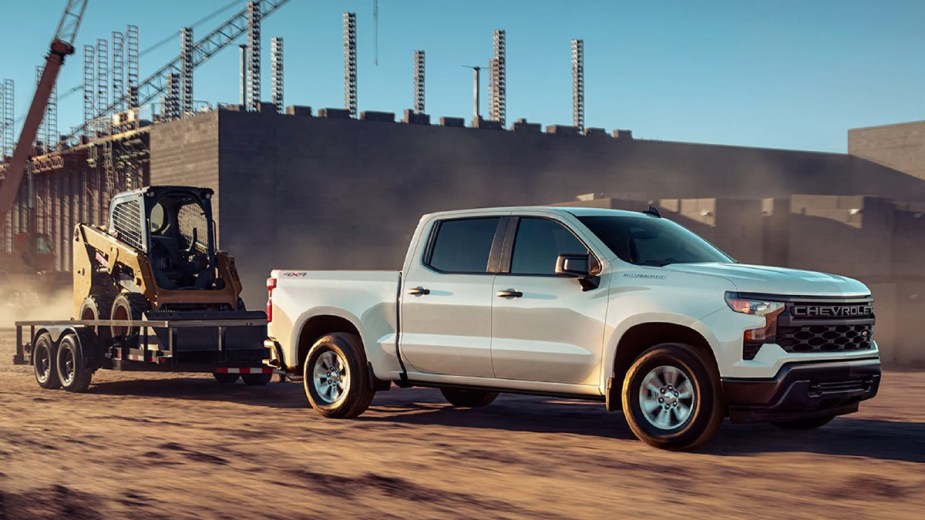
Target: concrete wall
900, 146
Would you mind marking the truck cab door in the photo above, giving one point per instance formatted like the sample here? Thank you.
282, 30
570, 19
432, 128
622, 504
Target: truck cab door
545, 327
447, 296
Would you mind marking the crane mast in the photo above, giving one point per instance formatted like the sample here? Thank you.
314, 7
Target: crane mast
62, 45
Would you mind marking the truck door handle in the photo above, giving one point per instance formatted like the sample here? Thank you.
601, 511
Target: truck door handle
418, 291
510, 293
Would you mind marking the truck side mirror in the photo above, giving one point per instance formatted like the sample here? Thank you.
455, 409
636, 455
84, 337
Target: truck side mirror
583, 267
573, 265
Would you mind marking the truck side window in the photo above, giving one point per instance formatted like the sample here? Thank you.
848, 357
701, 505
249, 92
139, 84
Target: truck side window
539, 243
463, 245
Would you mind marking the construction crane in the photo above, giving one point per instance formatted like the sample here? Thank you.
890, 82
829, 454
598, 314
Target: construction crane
62, 45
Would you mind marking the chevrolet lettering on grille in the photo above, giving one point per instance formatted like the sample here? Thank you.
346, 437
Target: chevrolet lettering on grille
832, 311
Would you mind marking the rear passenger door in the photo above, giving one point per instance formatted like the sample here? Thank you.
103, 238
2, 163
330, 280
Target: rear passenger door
447, 296
544, 327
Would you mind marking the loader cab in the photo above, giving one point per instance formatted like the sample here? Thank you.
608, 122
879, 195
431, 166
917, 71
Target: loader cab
173, 226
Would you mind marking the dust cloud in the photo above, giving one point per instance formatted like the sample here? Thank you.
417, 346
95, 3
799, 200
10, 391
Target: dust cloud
23, 302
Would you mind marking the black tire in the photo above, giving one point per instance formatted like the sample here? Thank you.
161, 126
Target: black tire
468, 398
810, 423
676, 422
350, 395
97, 307
128, 306
224, 378
72, 368
44, 362
256, 379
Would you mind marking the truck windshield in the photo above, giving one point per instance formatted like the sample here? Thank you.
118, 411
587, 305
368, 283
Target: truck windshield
652, 241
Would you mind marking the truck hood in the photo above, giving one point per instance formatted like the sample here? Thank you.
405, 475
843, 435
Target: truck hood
777, 280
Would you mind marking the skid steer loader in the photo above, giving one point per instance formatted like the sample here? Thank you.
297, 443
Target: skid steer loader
157, 261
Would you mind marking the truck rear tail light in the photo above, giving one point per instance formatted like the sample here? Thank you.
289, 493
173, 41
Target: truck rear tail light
271, 284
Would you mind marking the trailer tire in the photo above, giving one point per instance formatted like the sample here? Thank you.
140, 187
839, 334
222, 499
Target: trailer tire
44, 362
464, 398
672, 398
128, 306
225, 378
256, 379
335, 376
72, 368
97, 307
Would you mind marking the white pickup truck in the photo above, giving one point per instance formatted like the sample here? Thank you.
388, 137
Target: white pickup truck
625, 308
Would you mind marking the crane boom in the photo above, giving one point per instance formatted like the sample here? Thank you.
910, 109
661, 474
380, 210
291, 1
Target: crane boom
62, 45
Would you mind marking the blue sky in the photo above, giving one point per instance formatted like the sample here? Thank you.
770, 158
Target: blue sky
779, 74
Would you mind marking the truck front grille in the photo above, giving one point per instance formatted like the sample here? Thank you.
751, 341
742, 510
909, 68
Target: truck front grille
824, 338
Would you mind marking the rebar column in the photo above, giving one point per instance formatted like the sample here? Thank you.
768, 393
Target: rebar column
102, 83
243, 78
276, 72
131, 48
418, 82
118, 71
578, 84
350, 63
89, 89
186, 71
253, 57
498, 72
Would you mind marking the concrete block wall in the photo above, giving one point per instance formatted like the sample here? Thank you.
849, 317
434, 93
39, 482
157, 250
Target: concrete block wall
900, 146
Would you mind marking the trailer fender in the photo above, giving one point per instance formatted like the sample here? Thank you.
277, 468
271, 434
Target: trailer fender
90, 349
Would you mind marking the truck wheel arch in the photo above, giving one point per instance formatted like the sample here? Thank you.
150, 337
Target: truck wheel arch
640, 337
318, 326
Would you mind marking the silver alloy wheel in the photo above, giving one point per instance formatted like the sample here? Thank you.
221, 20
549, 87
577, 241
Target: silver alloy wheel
330, 377
667, 397
67, 369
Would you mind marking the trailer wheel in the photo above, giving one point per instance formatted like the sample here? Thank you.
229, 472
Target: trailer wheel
225, 378
44, 362
671, 397
256, 379
97, 307
128, 306
73, 372
335, 376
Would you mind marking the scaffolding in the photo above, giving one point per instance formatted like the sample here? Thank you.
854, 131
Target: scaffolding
578, 84
419, 82
276, 72
350, 63
253, 56
7, 132
497, 71
89, 90
131, 48
186, 70
118, 71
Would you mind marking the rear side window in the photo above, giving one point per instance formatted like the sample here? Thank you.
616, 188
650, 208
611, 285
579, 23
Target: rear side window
464, 245
538, 245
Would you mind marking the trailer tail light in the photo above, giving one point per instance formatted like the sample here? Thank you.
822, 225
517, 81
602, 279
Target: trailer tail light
271, 284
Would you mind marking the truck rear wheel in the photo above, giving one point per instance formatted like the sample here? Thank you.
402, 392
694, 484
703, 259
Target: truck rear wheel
44, 362
72, 370
671, 397
468, 398
335, 376
128, 306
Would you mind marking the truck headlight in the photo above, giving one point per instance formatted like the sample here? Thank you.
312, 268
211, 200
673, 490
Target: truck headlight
755, 338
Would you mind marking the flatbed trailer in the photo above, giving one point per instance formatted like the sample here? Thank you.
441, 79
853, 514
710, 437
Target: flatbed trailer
65, 354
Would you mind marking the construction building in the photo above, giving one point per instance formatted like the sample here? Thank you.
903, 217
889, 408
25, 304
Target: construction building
340, 188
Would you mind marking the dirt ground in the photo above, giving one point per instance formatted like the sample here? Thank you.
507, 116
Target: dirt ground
146, 446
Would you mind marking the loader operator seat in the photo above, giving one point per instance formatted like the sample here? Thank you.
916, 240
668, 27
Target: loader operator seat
176, 261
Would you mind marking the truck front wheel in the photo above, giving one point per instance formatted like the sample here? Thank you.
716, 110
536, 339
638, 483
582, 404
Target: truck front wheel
335, 376
671, 397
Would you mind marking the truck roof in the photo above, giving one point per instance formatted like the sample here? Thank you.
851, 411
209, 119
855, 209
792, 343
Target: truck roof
561, 210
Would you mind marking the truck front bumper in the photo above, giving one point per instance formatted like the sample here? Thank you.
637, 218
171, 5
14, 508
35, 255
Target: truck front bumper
803, 390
